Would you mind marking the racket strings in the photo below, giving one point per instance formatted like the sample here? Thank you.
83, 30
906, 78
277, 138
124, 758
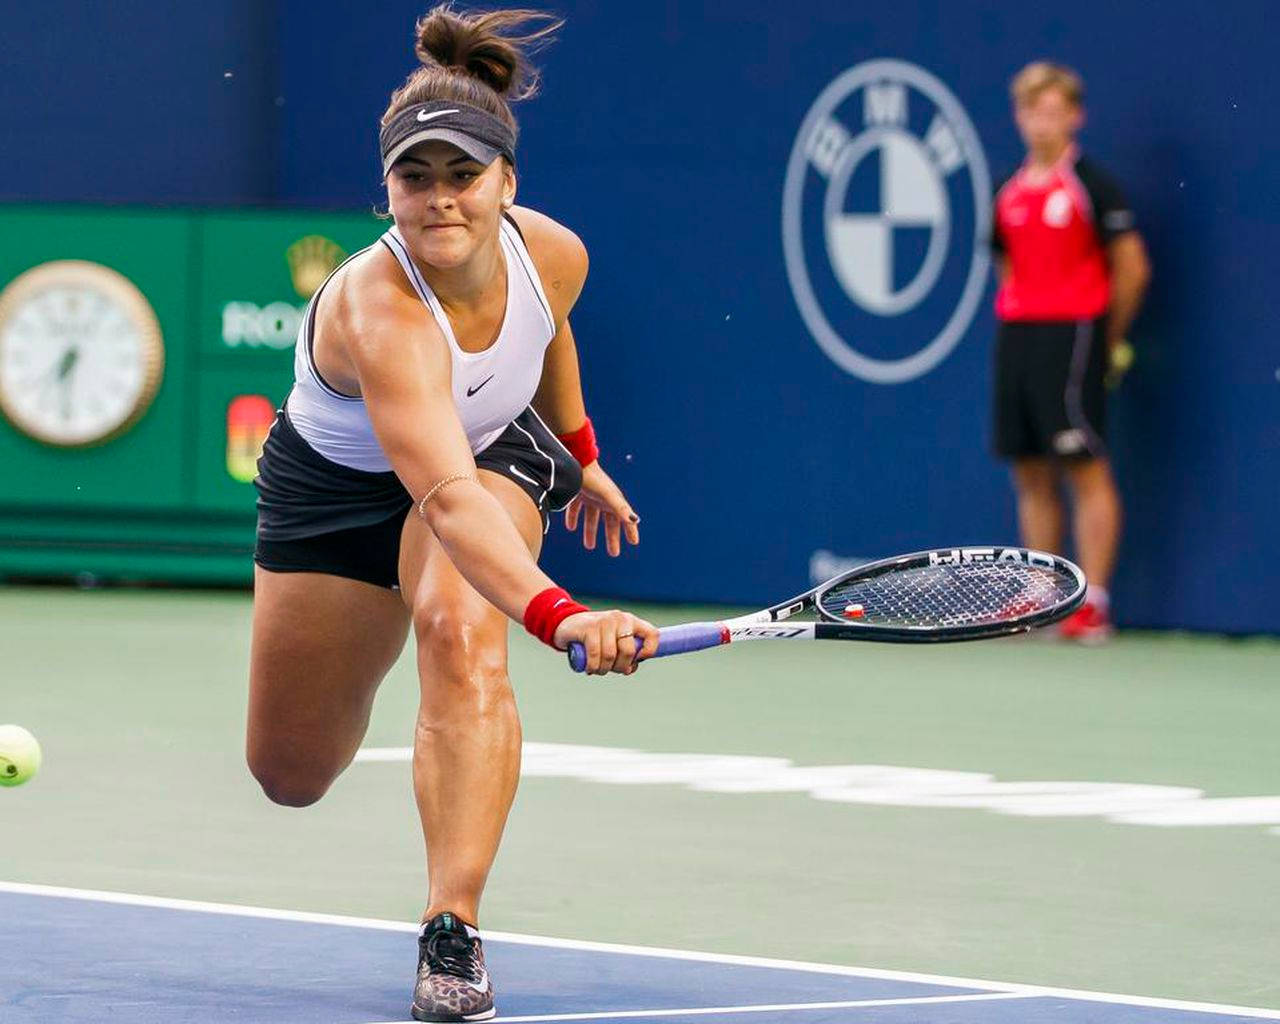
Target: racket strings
948, 595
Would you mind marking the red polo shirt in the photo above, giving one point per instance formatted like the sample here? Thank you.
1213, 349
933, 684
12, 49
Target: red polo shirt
1054, 229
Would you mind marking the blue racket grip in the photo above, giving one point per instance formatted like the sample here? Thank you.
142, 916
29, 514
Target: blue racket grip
692, 636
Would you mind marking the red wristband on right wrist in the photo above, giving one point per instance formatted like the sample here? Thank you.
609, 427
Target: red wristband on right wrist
547, 610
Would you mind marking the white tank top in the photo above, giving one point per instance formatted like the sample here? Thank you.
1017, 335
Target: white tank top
490, 388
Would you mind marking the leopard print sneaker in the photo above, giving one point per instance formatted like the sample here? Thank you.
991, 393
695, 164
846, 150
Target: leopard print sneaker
453, 983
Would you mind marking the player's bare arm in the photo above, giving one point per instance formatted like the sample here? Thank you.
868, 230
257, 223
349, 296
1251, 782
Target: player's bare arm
1130, 275
561, 259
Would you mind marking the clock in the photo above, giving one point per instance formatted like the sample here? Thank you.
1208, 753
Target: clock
81, 354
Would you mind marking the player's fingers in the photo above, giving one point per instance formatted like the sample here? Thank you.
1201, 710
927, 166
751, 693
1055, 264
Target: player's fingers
632, 634
620, 507
591, 641
631, 527
625, 661
647, 632
590, 527
612, 535
571, 514
608, 633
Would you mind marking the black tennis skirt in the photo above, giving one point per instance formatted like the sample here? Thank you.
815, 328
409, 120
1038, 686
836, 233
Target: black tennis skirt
315, 515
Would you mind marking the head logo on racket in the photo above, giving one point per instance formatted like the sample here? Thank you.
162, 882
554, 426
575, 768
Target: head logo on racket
885, 221
965, 556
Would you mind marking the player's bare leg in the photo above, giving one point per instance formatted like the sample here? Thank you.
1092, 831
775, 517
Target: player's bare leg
1040, 512
466, 757
1097, 535
321, 645
466, 762
1097, 518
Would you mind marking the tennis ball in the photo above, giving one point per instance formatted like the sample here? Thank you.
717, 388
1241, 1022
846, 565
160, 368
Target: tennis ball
1119, 360
19, 755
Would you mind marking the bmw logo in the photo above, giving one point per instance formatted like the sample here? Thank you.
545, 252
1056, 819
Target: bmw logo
886, 217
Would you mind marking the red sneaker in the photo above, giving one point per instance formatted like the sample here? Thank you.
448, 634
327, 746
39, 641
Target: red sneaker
1088, 624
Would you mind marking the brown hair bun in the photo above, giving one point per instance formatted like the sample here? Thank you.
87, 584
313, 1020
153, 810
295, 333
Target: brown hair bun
486, 45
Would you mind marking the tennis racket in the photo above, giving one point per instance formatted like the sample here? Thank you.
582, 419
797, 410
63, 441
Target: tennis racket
931, 596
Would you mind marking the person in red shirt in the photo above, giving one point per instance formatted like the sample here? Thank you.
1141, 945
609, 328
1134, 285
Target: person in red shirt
1072, 272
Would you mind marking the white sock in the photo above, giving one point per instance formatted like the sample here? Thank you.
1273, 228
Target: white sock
1098, 597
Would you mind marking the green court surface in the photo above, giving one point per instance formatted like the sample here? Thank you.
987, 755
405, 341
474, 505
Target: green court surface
138, 698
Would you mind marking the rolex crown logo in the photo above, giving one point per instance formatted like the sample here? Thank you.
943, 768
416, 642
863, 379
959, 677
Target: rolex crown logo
311, 260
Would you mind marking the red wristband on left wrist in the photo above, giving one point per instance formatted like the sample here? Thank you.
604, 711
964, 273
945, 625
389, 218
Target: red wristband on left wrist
581, 443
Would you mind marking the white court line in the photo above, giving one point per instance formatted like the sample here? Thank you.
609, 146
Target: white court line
702, 1011
307, 917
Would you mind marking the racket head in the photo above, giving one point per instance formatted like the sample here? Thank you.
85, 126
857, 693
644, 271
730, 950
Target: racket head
952, 594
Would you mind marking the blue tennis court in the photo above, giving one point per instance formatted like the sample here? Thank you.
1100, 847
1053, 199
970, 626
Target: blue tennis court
90, 956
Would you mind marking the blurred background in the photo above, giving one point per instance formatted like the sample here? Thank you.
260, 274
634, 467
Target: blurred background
221, 155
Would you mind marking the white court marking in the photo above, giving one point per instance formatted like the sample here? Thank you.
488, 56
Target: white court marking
1128, 803
704, 1011
308, 917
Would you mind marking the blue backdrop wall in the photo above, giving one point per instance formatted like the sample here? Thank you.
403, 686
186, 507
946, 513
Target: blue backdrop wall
139, 102
664, 136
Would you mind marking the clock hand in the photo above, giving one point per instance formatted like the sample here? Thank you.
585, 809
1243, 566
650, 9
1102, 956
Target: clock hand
60, 368
68, 362
63, 370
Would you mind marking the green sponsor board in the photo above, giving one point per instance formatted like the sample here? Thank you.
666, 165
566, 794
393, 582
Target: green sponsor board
143, 468
256, 274
257, 271
163, 490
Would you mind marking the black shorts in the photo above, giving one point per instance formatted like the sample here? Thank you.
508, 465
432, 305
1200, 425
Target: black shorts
1050, 397
315, 515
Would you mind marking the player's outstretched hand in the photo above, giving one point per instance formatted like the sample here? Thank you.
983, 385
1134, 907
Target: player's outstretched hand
610, 640
601, 498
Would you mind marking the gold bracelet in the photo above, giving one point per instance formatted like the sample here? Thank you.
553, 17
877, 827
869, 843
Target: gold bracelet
452, 478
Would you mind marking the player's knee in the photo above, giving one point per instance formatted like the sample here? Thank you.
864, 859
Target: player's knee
462, 641
463, 661
1093, 479
285, 784
1041, 500
290, 790
1038, 491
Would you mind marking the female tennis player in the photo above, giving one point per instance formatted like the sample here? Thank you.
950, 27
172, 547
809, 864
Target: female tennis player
408, 479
